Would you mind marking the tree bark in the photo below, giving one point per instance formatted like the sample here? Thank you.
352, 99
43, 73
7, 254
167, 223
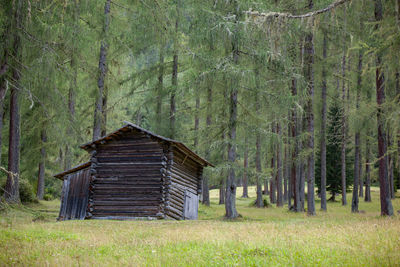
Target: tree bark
323, 125
309, 77
386, 203
98, 127
230, 201
344, 137
259, 200
354, 201
360, 175
367, 197
42, 164
11, 194
272, 182
295, 181
279, 202
390, 165
344, 122
160, 88
357, 153
286, 166
206, 190
397, 78
196, 121
266, 189
174, 81
222, 192
73, 85
3, 85
245, 167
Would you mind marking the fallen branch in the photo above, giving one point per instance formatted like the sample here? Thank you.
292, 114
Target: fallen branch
291, 16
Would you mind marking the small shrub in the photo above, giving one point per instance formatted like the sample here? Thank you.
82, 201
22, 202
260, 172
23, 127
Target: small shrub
48, 197
254, 203
26, 192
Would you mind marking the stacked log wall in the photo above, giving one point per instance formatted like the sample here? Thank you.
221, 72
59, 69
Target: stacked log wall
126, 178
185, 174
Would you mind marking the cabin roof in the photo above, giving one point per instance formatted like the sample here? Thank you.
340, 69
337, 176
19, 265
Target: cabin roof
73, 169
131, 126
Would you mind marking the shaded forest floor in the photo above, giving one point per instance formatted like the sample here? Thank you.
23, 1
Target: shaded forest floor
270, 236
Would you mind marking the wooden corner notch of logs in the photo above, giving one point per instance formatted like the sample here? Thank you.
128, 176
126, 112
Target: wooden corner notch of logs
133, 174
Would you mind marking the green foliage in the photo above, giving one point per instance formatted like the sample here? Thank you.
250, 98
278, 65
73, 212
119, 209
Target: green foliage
26, 191
48, 197
333, 155
61, 41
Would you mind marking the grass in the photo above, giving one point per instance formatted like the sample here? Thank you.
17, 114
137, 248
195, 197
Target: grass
261, 237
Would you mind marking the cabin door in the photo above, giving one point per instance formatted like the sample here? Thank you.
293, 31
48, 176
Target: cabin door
191, 206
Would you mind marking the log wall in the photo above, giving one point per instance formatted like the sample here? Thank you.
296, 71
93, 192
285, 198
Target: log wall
126, 178
185, 175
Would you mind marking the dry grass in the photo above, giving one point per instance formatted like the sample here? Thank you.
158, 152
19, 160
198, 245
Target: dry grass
271, 236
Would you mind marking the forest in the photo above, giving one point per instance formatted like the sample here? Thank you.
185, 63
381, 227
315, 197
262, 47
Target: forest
283, 97
304, 95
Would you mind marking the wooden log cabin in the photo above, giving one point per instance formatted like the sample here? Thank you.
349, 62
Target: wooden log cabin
133, 174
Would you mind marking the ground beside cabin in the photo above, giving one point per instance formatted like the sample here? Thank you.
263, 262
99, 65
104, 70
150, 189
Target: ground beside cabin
272, 236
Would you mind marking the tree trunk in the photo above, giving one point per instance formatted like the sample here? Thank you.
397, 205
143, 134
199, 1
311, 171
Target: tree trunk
104, 112
286, 165
323, 126
40, 183
4, 67
230, 201
386, 203
309, 77
295, 181
206, 190
354, 201
196, 121
3, 89
266, 189
357, 153
272, 188
72, 86
174, 74
344, 122
360, 176
367, 197
398, 95
160, 88
272, 182
245, 167
99, 126
222, 192
279, 202
259, 200
343, 153
11, 194
390, 165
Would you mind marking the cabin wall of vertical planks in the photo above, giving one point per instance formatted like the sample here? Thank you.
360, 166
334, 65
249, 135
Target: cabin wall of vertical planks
74, 195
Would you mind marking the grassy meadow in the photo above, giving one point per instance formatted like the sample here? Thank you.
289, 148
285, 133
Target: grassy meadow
30, 236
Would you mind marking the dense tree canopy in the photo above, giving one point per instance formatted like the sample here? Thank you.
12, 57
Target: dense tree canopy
235, 80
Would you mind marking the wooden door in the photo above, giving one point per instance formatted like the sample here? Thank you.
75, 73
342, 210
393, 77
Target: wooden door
191, 206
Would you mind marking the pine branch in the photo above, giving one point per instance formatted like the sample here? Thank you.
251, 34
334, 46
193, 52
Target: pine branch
291, 16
